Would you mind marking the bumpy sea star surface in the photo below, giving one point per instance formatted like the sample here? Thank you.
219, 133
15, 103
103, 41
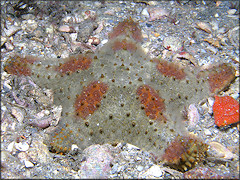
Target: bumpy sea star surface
119, 93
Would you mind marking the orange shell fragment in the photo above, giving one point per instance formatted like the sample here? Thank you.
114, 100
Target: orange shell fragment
225, 110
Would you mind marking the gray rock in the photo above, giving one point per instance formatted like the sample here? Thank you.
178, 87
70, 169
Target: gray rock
85, 30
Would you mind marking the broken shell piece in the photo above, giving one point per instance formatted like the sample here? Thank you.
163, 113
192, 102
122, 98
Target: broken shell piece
213, 42
3, 40
18, 114
57, 110
157, 13
41, 123
193, 115
221, 151
130, 147
66, 28
186, 56
12, 30
233, 36
204, 26
211, 101
99, 28
22, 146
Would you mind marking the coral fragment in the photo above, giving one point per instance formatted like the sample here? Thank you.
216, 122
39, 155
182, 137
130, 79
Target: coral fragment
225, 110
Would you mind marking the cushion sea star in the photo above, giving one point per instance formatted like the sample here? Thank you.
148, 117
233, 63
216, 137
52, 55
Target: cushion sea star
119, 93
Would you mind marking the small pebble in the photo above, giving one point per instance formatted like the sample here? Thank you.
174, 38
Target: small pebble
235, 140
231, 11
207, 132
155, 171
211, 101
3, 108
145, 12
10, 146
18, 114
74, 146
28, 16
97, 164
172, 43
140, 168
9, 46
93, 40
104, 41
110, 12
29, 25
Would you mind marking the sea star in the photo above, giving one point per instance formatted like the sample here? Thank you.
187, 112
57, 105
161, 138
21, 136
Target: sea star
119, 93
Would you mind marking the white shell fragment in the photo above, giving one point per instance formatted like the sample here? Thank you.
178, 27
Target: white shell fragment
145, 12
130, 146
10, 146
231, 11
154, 172
193, 115
22, 146
12, 30
74, 146
28, 164
221, 151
